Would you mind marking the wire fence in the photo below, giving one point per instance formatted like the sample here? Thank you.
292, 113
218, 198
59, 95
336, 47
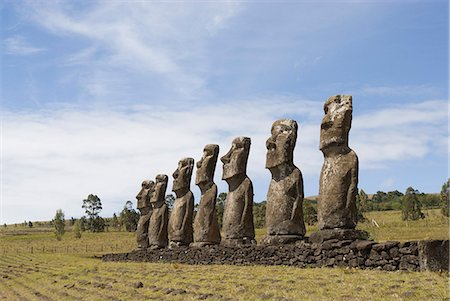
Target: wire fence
79, 249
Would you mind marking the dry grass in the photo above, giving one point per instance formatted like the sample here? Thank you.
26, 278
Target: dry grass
75, 277
66, 270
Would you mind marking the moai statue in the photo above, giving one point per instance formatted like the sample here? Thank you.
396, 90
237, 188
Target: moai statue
157, 229
238, 226
180, 221
337, 212
284, 212
143, 204
206, 227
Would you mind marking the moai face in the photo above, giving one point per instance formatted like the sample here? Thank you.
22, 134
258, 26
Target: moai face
160, 189
207, 164
182, 175
143, 194
280, 146
235, 161
337, 122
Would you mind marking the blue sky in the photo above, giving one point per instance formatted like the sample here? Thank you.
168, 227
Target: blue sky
99, 95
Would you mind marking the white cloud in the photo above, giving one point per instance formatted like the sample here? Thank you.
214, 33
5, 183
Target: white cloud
53, 159
18, 45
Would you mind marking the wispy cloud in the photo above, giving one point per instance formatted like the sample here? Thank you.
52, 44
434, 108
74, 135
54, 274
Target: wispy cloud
53, 159
401, 90
18, 45
143, 39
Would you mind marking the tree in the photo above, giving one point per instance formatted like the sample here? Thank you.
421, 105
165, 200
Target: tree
72, 221
309, 213
129, 217
445, 198
30, 224
259, 214
77, 229
362, 204
5, 225
115, 222
170, 200
59, 223
411, 207
83, 224
220, 207
92, 206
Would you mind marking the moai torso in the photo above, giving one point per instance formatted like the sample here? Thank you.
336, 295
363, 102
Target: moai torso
157, 230
181, 217
284, 212
238, 213
145, 209
339, 176
238, 225
206, 226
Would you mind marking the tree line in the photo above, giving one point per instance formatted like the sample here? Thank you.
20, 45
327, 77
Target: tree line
410, 203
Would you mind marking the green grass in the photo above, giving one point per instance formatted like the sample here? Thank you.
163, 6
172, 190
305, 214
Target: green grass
391, 226
66, 270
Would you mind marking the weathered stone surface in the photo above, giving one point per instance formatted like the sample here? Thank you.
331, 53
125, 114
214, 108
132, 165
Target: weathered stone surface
157, 229
206, 226
284, 212
238, 225
145, 208
340, 234
433, 255
181, 217
300, 253
339, 176
385, 246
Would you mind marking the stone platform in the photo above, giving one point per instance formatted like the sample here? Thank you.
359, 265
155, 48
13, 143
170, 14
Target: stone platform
390, 256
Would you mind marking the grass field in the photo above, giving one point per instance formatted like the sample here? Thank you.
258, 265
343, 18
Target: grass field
35, 266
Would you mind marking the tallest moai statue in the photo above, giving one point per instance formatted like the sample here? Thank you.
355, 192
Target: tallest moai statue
337, 212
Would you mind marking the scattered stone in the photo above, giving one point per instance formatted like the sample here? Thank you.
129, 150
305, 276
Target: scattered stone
138, 284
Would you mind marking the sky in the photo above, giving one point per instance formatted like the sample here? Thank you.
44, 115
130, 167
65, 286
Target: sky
97, 96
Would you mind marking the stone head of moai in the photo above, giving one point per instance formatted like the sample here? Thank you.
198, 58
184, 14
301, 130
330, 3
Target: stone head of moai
143, 197
159, 194
206, 166
235, 161
182, 176
336, 124
280, 145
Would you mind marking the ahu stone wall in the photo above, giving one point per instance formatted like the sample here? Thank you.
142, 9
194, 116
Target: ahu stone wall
365, 254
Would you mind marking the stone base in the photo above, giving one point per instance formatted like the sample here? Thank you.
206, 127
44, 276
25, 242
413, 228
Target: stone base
271, 240
387, 256
433, 255
237, 242
155, 247
339, 234
201, 244
177, 244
